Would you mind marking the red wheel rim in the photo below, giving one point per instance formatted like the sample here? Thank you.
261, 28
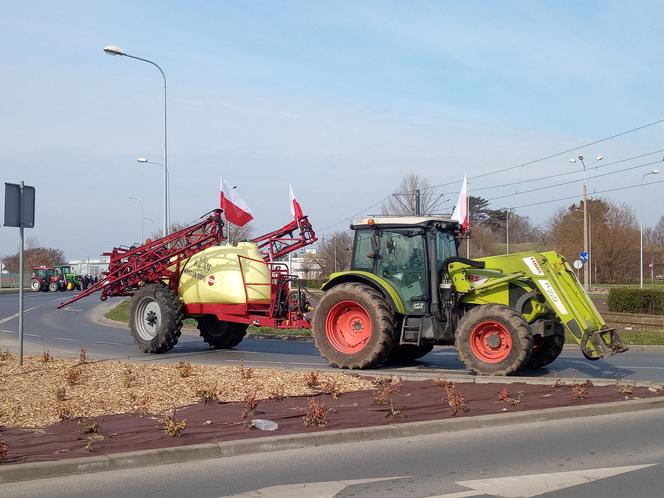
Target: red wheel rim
348, 327
491, 342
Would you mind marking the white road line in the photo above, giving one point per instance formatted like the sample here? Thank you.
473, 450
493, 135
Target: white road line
71, 309
111, 343
7, 331
31, 335
15, 315
63, 339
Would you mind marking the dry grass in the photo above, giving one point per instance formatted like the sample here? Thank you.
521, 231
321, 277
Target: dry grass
32, 395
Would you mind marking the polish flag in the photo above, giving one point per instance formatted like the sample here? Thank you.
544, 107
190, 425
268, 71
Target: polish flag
235, 209
460, 213
295, 208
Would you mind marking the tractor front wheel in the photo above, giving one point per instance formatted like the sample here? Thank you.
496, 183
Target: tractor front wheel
493, 339
353, 326
155, 318
220, 334
35, 285
53, 287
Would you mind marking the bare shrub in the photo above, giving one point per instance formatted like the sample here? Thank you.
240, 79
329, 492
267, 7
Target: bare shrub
249, 404
172, 426
4, 450
73, 376
580, 391
316, 413
245, 373
46, 356
185, 369
311, 379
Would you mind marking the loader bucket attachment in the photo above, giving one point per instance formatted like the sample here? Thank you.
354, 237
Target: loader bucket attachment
551, 279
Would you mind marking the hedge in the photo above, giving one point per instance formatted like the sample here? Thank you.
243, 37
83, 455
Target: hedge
630, 300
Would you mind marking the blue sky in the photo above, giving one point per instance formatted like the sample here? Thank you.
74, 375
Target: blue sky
338, 98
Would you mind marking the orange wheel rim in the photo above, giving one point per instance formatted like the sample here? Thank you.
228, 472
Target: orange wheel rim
348, 327
491, 342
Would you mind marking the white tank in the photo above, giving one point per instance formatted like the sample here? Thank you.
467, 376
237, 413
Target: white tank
215, 275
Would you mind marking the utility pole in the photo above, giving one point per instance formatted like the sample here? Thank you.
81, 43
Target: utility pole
507, 230
418, 206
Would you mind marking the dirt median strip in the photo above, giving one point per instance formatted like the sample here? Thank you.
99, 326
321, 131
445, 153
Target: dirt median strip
181, 454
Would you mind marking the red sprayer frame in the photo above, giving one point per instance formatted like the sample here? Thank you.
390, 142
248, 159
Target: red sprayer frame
132, 267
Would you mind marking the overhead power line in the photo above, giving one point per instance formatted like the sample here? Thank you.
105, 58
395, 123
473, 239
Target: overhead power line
509, 168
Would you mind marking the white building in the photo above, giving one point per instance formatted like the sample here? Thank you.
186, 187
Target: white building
304, 266
89, 266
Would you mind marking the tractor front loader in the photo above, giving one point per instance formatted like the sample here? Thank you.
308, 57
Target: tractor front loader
408, 290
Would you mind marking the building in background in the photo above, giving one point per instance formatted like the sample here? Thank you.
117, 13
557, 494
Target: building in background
304, 266
89, 266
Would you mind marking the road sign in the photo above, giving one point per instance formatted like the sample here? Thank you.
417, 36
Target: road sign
15, 214
583, 256
578, 264
20, 213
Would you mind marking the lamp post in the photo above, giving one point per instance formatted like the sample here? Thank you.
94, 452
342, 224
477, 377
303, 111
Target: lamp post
643, 180
507, 230
141, 203
586, 272
154, 224
113, 50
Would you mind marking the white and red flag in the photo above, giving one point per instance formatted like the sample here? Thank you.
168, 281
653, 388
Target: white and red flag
295, 208
460, 213
235, 209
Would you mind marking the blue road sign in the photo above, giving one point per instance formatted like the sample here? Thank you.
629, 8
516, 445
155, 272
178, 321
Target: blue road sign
583, 256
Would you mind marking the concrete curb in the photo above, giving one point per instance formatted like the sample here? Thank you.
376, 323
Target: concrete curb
181, 454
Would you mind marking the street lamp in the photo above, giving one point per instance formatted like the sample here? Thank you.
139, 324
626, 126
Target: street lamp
154, 224
643, 180
141, 203
586, 277
113, 50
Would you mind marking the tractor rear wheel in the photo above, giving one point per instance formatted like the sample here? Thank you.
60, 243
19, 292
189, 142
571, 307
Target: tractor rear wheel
405, 353
353, 326
155, 318
35, 285
53, 287
220, 334
493, 339
546, 350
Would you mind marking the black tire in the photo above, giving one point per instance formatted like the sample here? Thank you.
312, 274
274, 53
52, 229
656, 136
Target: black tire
219, 334
483, 321
373, 307
53, 287
406, 353
155, 318
35, 285
546, 350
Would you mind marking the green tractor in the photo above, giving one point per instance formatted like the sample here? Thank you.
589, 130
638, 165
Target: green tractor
409, 290
67, 279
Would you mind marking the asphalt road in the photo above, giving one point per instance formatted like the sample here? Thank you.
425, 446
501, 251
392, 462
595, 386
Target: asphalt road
608, 456
64, 332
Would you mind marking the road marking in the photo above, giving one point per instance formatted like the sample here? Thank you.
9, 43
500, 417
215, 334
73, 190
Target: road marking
63, 339
324, 489
71, 309
15, 315
8, 331
537, 484
31, 335
111, 343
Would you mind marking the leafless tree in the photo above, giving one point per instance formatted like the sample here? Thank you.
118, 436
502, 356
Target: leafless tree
334, 252
235, 234
403, 202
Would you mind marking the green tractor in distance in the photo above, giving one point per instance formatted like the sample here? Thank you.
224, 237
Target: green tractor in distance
409, 290
67, 279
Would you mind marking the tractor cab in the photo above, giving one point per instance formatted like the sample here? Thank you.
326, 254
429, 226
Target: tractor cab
407, 252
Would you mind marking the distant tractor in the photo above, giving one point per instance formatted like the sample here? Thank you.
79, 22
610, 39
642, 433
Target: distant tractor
67, 279
409, 290
41, 279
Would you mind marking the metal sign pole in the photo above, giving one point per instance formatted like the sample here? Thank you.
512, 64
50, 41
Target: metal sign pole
20, 281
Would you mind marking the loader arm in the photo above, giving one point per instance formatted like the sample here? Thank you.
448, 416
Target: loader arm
550, 279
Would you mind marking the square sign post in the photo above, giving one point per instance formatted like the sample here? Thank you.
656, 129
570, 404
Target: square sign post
20, 212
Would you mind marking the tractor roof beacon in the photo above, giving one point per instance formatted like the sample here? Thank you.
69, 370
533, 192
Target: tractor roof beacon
408, 290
